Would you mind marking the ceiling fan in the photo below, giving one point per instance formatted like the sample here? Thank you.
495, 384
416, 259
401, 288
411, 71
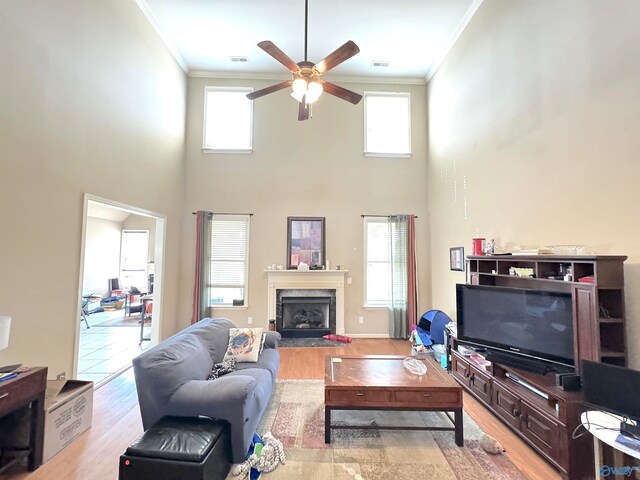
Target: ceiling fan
306, 82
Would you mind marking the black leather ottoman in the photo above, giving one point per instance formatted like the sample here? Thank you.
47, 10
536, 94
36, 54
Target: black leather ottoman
179, 448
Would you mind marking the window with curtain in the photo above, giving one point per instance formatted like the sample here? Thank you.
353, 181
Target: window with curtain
134, 252
387, 120
228, 120
229, 260
377, 262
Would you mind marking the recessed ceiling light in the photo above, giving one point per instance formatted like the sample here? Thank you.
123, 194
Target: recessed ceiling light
380, 63
238, 59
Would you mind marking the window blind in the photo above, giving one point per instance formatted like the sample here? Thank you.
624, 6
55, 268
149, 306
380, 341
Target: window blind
229, 251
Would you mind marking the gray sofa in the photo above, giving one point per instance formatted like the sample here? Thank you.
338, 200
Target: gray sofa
171, 379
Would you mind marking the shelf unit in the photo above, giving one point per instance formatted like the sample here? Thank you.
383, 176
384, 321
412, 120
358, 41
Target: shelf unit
598, 304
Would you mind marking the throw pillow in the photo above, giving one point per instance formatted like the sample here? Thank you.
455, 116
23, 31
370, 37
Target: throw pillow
223, 368
244, 344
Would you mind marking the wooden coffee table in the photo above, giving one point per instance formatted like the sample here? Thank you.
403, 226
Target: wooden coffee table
380, 382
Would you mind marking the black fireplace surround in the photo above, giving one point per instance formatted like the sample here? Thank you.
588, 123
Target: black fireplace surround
305, 313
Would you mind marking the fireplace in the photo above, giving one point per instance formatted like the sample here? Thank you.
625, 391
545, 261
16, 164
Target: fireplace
309, 283
305, 313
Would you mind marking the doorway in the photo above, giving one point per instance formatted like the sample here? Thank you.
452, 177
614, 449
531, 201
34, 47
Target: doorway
120, 287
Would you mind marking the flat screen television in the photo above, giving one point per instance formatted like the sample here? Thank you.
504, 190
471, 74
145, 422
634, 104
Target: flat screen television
527, 323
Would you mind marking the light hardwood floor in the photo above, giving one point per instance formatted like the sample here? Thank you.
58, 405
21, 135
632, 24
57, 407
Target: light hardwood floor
116, 419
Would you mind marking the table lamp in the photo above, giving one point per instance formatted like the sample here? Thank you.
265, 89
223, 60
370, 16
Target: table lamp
5, 324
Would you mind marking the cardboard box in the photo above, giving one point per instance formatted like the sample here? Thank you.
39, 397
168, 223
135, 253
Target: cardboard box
68, 411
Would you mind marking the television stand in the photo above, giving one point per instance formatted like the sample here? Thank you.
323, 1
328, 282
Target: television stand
527, 365
536, 410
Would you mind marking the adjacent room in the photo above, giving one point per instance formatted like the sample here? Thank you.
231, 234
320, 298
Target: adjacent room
117, 290
392, 240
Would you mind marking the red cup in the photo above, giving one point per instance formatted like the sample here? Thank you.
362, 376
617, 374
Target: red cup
478, 246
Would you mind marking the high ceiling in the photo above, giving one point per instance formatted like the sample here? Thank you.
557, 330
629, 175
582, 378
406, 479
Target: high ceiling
412, 35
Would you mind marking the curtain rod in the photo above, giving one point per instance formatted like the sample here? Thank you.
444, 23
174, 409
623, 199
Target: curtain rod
384, 216
215, 213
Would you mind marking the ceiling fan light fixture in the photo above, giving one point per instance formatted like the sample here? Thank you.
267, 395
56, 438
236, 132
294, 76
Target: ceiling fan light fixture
306, 84
299, 86
314, 90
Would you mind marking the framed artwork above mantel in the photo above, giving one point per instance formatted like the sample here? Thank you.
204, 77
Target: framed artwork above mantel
305, 242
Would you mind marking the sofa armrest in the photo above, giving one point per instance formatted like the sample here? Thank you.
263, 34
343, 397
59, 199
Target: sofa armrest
235, 398
272, 339
211, 398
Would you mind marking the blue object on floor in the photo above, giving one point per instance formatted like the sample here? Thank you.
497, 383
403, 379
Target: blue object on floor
433, 322
253, 473
424, 336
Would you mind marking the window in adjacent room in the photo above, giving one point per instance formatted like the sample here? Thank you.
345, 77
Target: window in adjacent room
229, 260
228, 120
387, 124
377, 262
134, 253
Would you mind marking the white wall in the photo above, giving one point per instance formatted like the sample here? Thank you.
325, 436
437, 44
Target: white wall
91, 101
311, 168
101, 255
536, 110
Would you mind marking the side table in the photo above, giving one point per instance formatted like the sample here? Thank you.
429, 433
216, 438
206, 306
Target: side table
27, 391
605, 428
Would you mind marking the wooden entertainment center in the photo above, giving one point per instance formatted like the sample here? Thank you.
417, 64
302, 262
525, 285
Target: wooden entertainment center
596, 284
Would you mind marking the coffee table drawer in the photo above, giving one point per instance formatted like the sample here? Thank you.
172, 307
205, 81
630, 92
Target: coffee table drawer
359, 396
427, 397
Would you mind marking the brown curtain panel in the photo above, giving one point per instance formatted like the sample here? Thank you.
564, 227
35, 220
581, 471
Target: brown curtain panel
202, 267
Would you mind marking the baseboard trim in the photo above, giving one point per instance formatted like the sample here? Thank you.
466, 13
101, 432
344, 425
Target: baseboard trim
367, 335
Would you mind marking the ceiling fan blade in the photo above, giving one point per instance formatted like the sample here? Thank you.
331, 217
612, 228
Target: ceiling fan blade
279, 55
335, 58
343, 93
268, 90
303, 110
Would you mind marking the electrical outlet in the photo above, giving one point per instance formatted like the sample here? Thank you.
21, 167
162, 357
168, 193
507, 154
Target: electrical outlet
348, 280
62, 376
250, 320
361, 319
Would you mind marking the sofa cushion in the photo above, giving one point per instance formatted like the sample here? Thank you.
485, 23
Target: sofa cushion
268, 360
214, 335
174, 362
244, 344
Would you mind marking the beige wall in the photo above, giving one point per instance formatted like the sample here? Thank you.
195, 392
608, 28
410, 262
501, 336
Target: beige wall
312, 168
536, 110
92, 102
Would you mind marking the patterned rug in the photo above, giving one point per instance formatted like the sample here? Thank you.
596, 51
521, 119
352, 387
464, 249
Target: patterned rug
295, 416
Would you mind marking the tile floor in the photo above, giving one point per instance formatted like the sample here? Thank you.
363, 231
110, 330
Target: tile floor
106, 351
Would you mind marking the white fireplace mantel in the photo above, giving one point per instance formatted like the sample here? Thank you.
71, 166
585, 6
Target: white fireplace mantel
307, 280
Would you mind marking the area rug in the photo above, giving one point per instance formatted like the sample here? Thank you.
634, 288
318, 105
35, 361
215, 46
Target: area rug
295, 416
310, 342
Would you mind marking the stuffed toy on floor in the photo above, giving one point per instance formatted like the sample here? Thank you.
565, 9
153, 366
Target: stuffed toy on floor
491, 445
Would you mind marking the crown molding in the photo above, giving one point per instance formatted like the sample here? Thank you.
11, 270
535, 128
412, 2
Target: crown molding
454, 38
339, 79
168, 43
